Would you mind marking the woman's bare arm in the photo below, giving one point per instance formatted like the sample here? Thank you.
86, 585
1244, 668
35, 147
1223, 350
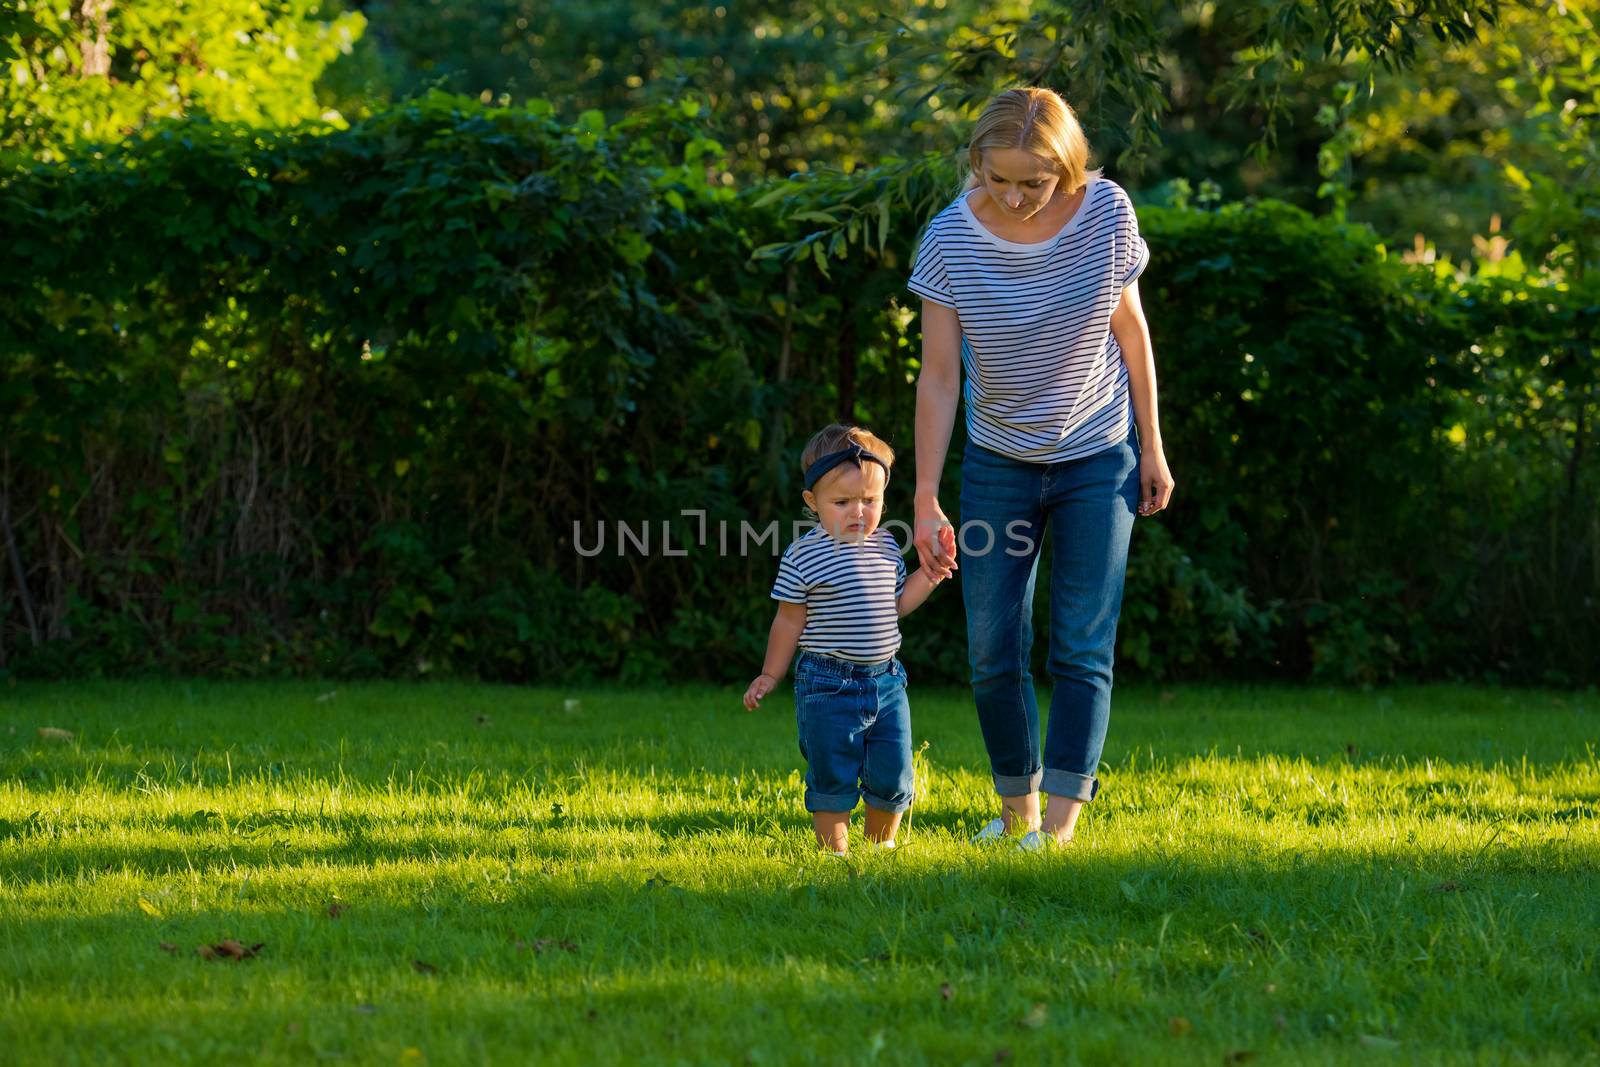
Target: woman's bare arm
938, 392
1128, 326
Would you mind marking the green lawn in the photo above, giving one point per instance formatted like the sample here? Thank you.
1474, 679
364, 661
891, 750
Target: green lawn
454, 873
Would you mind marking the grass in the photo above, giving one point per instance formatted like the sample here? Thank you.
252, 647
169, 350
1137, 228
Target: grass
454, 873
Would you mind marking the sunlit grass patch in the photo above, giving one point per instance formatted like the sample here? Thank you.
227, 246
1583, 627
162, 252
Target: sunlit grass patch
462, 873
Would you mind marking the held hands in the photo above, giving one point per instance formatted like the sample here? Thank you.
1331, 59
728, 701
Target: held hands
764, 684
934, 538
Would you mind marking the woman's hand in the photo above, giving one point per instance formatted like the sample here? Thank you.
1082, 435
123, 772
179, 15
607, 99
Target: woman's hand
1155, 482
764, 684
934, 538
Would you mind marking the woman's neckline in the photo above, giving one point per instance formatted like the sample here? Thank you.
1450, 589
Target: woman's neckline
1024, 246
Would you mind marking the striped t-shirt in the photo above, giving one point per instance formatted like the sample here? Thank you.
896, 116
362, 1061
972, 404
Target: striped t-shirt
849, 589
1045, 381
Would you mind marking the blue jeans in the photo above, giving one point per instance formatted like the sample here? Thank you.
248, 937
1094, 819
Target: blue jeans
1090, 502
855, 732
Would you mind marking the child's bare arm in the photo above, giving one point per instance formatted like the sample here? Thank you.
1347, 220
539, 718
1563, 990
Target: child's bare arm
919, 584
782, 640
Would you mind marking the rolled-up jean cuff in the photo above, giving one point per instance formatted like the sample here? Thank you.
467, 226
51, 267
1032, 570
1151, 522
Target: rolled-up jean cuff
1017, 785
891, 806
1070, 784
831, 801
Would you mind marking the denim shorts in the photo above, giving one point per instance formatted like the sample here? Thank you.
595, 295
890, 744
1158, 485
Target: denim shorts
855, 732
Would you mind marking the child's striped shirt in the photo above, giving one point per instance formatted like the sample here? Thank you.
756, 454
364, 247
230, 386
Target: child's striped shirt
849, 589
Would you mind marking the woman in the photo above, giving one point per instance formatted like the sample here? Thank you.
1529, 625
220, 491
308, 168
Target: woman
1028, 282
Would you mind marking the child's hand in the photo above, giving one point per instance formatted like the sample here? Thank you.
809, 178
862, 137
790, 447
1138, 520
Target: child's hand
764, 684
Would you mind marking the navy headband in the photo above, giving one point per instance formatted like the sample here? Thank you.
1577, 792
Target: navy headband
852, 453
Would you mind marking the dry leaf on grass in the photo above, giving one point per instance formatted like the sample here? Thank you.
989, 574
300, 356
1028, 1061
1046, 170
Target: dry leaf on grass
229, 950
945, 992
335, 910
1178, 1026
168, 947
1036, 1017
1242, 1055
423, 967
53, 733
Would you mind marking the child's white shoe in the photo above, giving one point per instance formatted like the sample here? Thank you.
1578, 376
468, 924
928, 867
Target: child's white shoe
993, 830
880, 846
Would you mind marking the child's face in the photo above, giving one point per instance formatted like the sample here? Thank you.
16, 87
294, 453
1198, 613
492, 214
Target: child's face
849, 500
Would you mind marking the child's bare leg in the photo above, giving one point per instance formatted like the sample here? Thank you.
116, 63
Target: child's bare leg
1023, 810
882, 825
833, 829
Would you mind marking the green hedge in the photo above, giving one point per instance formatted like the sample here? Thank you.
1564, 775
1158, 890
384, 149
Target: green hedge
334, 402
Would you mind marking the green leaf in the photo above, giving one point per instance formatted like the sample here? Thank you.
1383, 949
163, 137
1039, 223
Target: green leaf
779, 191
771, 251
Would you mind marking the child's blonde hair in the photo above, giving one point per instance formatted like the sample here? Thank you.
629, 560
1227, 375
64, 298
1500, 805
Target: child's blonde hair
832, 438
837, 436
1037, 121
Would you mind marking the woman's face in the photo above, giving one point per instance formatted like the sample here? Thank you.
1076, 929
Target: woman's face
1019, 182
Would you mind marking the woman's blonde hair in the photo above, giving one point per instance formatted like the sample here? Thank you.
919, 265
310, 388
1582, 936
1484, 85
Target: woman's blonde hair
1038, 121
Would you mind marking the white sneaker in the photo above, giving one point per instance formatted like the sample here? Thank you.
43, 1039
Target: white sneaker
1038, 841
993, 830
879, 846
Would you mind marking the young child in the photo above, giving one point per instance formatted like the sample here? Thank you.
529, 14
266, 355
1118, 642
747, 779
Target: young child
841, 591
